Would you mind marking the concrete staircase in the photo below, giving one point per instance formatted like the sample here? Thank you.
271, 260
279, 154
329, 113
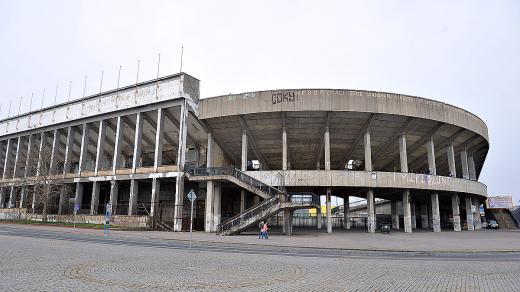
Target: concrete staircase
504, 218
275, 201
516, 215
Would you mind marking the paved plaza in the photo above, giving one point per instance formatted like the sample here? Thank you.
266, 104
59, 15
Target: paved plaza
53, 258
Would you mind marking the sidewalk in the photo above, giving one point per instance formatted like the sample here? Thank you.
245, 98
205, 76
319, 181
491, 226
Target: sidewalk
427, 241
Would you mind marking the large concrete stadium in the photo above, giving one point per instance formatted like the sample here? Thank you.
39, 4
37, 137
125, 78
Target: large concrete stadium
141, 148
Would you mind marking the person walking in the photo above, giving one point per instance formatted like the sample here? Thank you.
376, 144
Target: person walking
261, 227
265, 230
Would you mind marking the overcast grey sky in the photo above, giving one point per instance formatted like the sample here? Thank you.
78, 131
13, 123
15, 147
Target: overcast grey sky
466, 53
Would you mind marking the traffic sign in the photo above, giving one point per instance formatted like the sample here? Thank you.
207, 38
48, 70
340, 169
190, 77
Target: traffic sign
192, 196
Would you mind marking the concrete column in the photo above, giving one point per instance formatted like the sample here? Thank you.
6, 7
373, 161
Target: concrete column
407, 212
100, 150
84, 147
424, 216
94, 201
69, 144
2, 196
256, 200
243, 166
346, 212
28, 156
114, 191
451, 160
17, 157
117, 146
402, 153
79, 194
54, 151
368, 152
469, 214
287, 216
7, 159
414, 216
471, 167
43, 143
455, 212
318, 217
284, 148
464, 162
156, 192
216, 205
137, 142
476, 215
242, 201
431, 156
329, 211
2, 157
326, 139
209, 206
436, 214
134, 191
394, 207
62, 199
23, 196
181, 157
159, 139
12, 199
371, 210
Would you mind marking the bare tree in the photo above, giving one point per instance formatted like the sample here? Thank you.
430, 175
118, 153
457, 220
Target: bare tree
45, 175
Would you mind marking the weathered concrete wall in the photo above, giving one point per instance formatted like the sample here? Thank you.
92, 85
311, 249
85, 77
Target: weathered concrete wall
340, 100
338, 178
119, 220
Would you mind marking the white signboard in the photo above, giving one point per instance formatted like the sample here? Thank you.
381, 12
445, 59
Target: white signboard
501, 202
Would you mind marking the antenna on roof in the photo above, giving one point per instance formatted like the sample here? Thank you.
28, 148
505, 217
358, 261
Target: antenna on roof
55, 95
182, 53
9, 112
101, 82
30, 103
70, 87
43, 97
20, 105
84, 86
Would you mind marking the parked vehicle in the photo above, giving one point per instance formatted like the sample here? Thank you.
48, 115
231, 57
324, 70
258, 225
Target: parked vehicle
492, 224
386, 227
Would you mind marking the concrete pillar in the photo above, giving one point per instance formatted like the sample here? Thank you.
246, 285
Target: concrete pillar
407, 212
346, 212
94, 201
436, 214
431, 156
455, 212
469, 214
114, 191
256, 200
209, 206
23, 196
159, 139
134, 191
2, 196
217, 196
12, 197
329, 211
371, 210
62, 199
471, 167
17, 157
181, 158
84, 148
28, 156
414, 216
7, 159
242, 201
54, 152
368, 152
69, 144
402, 153
476, 215
288, 218
326, 139
136, 162
79, 194
284, 147
156, 192
451, 160
424, 217
243, 166
318, 217
100, 150
394, 207
464, 162
117, 146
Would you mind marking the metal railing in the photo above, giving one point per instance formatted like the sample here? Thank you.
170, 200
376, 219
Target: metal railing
240, 175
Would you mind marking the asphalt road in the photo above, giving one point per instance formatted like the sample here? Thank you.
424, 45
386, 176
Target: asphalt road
34, 259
